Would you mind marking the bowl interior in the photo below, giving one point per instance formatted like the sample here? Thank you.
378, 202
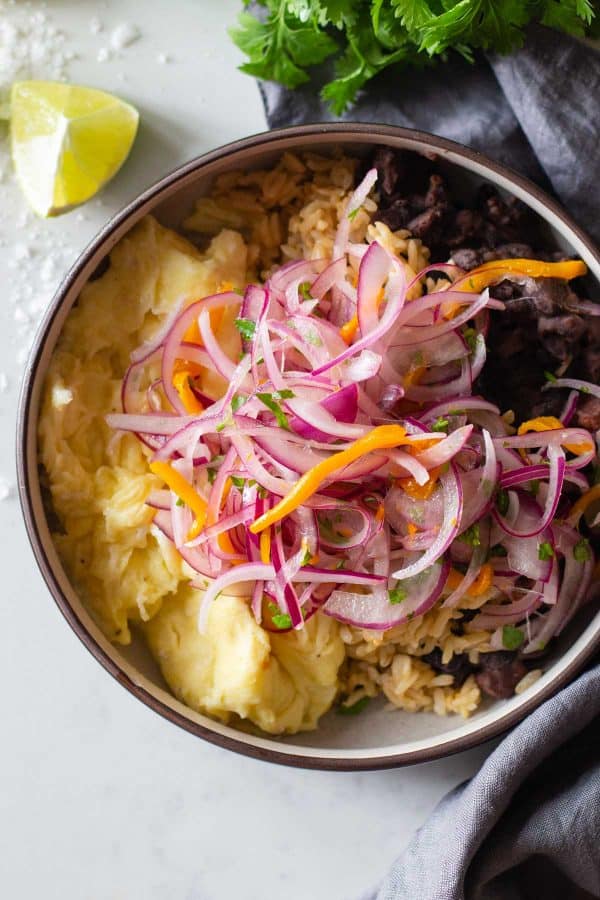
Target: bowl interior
377, 736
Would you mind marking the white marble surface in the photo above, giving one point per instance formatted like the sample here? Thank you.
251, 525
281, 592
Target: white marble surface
100, 798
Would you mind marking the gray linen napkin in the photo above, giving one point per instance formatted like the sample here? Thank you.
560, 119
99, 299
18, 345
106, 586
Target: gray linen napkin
527, 826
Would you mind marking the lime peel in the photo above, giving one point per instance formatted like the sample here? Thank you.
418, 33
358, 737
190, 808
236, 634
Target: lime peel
67, 142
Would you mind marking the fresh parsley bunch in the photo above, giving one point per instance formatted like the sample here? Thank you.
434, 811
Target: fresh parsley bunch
290, 37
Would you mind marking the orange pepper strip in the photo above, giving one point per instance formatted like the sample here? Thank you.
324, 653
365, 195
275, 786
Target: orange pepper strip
265, 547
482, 583
493, 271
349, 329
383, 437
181, 383
580, 506
411, 528
550, 423
420, 491
185, 492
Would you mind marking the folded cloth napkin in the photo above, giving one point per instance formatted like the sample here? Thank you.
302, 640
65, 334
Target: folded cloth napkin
527, 826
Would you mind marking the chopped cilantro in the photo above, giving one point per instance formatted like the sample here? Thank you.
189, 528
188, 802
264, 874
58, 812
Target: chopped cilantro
237, 481
440, 424
355, 708
353, 213
307, 557
502, 501
471, 535
418, 358
271, 403
280, 620
498, 550
262, 492
535, 487
179, 502
284, 394
246, 328
397, 595
456, 412
512, 637
238, 401
304, 290
221, 426
212, 474
470, 336
581, 550
550, 376
545, 550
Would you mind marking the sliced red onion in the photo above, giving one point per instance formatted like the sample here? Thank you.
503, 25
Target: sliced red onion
236, 575
378, 613
453, 502
586, 387
193, 557
570, 408
528, 528
506, 613
476, 562
445, 449
372, 275
355, 202
362, 367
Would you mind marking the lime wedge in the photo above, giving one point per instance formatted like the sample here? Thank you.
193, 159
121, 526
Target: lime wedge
67, 142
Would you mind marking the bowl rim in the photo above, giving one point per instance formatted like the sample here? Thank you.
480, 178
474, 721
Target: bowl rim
371, 133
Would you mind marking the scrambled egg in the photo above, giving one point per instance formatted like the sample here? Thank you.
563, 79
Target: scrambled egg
123, 568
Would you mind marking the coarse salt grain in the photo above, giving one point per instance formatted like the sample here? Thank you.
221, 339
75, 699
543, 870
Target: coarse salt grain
124, 35
3, 383
5, 489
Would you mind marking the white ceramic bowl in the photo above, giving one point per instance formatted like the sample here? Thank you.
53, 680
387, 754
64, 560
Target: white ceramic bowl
377, 738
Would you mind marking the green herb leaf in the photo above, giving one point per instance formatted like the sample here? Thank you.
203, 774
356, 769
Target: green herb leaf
269, 400
470, 336
550, 376
545, 550
353, 213
535, 487
238, 482
440, 424
367, 36
212, 474
238, 401
512, 637
582, 551
502, 501
246, 328
179, 502
498, 550
397, 595
262, 492
355, 709
471, 535
279, 619
304, 290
